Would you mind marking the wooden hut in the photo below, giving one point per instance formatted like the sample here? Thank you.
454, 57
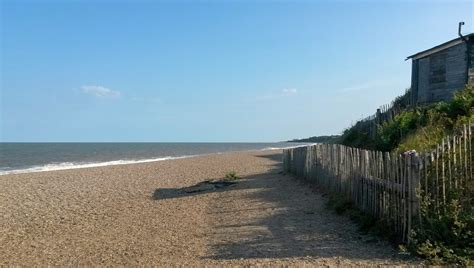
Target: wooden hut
440, 71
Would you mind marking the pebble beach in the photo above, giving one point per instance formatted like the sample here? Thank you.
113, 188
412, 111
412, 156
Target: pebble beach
125, 215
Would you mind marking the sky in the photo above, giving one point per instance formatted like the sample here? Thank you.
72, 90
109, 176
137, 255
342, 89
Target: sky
207, 71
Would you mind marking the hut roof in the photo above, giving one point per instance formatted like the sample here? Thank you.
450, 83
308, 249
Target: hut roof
440, 47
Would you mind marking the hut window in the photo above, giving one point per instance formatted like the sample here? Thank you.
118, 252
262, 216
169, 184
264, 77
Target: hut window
438, 68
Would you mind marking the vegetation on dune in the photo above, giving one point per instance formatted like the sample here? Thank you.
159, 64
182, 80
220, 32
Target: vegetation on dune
446, 232
418, 128
320, 139
359, 135
424, 127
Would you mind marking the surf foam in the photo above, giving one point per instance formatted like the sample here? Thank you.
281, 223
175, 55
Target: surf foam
72, 165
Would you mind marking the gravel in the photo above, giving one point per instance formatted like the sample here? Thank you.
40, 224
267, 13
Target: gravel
112, 216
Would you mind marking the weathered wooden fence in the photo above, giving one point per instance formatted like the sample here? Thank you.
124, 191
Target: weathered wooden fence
385, 185
385, 113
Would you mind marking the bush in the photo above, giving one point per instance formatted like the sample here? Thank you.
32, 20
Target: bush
439, 120
390, 134
446, 233
357, 136
418, 128
231, 176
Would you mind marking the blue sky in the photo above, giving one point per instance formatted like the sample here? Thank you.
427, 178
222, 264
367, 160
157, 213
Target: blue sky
208, 70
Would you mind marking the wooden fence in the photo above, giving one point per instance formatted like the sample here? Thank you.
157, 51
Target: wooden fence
385, 185
385, 113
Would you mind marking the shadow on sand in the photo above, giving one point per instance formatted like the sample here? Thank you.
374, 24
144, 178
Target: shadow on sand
199, 188
272, 215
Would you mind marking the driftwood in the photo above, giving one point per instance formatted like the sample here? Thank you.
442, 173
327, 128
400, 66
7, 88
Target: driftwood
204, 186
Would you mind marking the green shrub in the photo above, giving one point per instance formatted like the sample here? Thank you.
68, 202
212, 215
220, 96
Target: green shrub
357, 136
439, 120
390, 134
231, 176
418, 128
445, 233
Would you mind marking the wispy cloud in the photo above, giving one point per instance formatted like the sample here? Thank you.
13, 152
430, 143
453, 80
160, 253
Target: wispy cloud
100, 91
286, 92
362, 86
289, 91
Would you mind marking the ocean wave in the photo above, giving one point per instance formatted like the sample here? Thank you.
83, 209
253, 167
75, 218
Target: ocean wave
77, 165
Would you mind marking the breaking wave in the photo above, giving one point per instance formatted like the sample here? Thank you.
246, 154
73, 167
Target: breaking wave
72, 165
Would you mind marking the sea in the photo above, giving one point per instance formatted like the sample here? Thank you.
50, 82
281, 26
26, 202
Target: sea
37, 157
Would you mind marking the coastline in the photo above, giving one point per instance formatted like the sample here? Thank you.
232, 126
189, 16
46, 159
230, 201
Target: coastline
80, 165
107, 215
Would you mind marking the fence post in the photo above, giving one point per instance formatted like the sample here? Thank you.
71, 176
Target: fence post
387, 185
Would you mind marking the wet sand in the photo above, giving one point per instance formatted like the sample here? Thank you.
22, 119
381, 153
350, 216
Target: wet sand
124, 215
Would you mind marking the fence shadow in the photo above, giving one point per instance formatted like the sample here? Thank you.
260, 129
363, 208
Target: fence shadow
272, 215
211, 185
276, 157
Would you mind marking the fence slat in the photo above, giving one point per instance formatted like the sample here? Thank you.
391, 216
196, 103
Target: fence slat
388, 186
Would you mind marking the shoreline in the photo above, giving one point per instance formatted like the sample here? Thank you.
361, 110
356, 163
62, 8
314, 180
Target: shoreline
80, 165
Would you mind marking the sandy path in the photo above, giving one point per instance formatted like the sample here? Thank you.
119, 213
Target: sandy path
276, 219
108, 215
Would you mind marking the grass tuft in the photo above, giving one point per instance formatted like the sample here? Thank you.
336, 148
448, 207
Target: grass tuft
231, 176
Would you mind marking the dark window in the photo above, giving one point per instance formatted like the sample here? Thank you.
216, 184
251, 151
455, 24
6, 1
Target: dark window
438, 68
